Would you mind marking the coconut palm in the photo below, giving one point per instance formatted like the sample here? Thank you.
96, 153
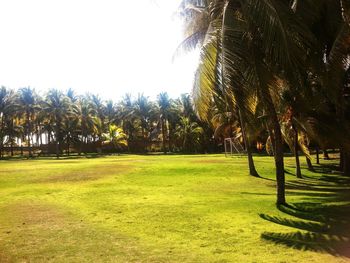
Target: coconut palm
247, 46
70, 127
116, 136
164, 105
87, 120
8, 111
57, 106
110, 112
189, 133
99, 108
30, 105
143, 111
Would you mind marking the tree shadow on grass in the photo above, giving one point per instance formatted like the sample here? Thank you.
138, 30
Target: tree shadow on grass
321, 221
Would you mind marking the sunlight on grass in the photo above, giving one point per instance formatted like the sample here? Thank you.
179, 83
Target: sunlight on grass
150, 209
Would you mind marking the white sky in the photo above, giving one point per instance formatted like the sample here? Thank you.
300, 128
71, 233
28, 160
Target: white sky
108, 47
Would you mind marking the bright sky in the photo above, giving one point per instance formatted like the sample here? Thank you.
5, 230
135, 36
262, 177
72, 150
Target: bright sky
108, 47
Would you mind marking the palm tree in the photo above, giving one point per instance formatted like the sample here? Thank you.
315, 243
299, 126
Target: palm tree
164, 104
327, 65
3, 105
57, 108
246, 47
116, 136
99, 108
87, 120
143, 111
174, 115
7, 110
70, 126
29, 101
189, 133
110, 112
10, 119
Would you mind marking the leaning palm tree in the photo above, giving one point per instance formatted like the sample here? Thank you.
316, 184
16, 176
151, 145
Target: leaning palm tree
246, 47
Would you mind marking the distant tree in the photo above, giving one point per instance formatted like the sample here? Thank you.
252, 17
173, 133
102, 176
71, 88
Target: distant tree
116, 136
189, 133
164, 105
57, 107
30, 105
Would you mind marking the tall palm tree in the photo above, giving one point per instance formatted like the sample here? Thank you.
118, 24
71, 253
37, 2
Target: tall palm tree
143, 111
87, 120
30, 105
99, 108
11, 117
110, 112
8, 107
57, 108
164, 105
246, 46
70, 127
328, 64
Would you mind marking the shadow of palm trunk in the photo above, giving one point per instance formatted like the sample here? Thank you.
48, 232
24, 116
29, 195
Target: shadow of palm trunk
321, 221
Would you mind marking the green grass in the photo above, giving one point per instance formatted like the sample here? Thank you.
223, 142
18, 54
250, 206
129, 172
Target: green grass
201, 208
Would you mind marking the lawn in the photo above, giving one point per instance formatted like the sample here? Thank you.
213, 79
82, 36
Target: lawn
202, 208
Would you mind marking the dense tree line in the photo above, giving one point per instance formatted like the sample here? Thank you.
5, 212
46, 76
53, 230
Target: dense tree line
277, 66
64, 122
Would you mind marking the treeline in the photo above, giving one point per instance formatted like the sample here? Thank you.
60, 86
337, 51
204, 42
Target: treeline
61, 122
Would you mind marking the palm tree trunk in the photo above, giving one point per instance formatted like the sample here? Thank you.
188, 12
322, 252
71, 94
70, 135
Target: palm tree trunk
296, 152
346, 163
277, 142
68, 144
164, 136
279, 163
40, 137
309, 165
252, 170
12, 138
143, 139
169, 139
28, 134
58, 136
22, 140
317, 155
11, 147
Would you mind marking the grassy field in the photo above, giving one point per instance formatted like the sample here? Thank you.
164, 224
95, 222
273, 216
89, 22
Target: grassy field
201, 208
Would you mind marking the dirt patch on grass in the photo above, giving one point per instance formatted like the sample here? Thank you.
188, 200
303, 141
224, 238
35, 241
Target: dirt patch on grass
81, 175
24, 215
4, 258
42, 232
